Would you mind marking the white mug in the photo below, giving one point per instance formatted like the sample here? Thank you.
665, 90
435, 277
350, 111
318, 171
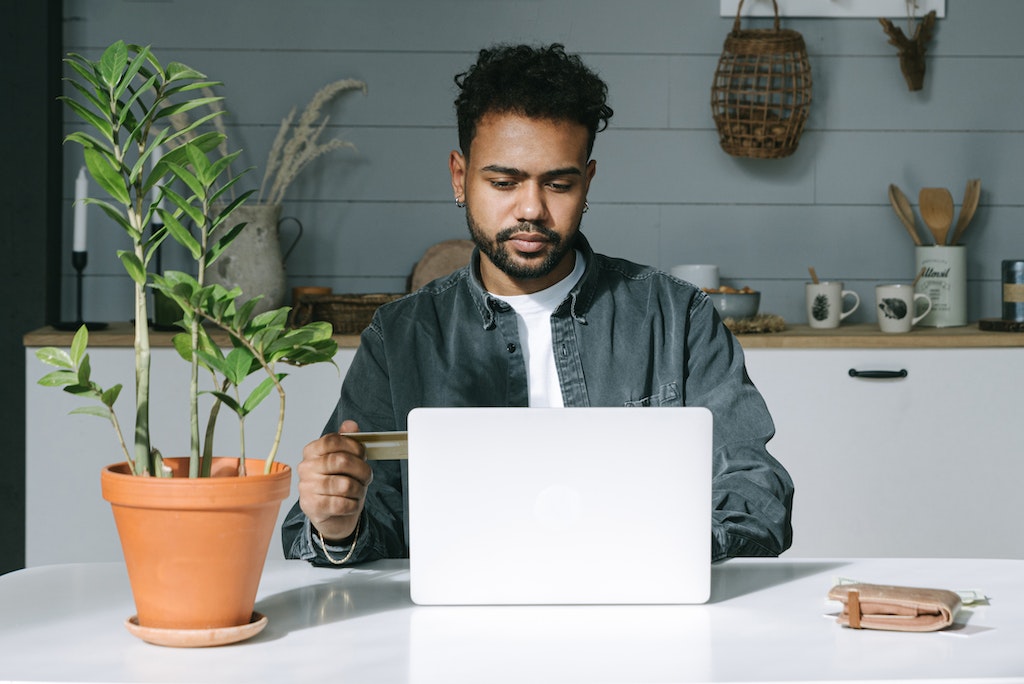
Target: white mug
704, 276
825, 303
897, 307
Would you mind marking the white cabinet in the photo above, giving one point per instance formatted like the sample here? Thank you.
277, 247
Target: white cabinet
66, 518
930, 464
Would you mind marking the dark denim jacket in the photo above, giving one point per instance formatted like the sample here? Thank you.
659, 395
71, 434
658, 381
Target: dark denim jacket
626, 335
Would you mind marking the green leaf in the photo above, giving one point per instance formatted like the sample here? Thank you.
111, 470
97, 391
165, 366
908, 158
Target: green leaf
88, 94
117, 215
86, 140
205, 141
187, 106
188, 178
218, 248
177, 71
181, 234
275, 317
129, 75
223, 189
84, 371
189, 86
133, 266
59, 378
78, 344
99, 411
126, 107
239, 365
53, 356
112, 63
108, 177
229, 401
91, 390
111, 395
183, 345
97, 122
261, 392
244, 312
85, 69
153, 243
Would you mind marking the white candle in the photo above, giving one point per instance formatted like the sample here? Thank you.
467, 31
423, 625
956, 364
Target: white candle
81, 191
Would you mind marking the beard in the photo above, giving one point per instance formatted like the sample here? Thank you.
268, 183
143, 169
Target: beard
526, 266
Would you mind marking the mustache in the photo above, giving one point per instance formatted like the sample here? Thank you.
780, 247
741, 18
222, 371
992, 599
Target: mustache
505, 234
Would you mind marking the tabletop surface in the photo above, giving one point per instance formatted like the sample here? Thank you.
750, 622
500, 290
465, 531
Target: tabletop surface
768, 620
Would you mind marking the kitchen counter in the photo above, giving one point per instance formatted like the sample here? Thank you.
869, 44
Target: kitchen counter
122, 334
856, 336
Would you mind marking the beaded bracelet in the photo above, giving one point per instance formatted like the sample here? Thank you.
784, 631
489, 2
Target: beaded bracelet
355, 538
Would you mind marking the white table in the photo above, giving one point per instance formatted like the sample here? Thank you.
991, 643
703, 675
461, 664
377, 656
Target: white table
766, 622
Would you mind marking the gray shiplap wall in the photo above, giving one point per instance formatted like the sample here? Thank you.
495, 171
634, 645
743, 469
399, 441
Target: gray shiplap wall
664, 193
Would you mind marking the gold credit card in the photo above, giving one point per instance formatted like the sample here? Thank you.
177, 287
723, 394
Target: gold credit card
383, 446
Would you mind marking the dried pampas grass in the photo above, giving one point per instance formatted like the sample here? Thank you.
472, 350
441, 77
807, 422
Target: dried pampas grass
296, 145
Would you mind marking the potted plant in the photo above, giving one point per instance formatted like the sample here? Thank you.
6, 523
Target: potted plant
226, 506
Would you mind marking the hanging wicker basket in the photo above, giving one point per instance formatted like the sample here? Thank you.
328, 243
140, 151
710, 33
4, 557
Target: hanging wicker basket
762, 91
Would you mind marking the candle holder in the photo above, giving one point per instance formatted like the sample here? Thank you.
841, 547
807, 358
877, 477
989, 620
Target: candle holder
78, 261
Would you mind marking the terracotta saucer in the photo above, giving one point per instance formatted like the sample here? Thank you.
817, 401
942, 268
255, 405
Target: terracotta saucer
196, 638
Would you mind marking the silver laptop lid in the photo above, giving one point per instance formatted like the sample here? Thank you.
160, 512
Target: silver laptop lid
560, 505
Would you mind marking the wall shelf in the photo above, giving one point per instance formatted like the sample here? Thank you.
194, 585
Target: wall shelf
891, 9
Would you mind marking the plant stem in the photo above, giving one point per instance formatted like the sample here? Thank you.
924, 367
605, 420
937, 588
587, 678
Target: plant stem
269, 368
143, 461
211, 424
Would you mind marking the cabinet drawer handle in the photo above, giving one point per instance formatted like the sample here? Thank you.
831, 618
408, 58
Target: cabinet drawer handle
878, 374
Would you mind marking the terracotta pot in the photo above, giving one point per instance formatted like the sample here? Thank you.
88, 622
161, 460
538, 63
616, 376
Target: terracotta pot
195, 548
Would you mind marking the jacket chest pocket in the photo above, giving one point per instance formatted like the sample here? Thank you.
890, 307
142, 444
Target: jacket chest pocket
666, 395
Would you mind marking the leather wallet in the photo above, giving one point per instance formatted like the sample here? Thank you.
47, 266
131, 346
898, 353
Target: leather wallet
903, 609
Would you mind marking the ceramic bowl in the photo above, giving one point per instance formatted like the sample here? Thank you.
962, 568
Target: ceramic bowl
736, 305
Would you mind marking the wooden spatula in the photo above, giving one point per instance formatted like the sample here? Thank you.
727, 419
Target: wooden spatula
970, 203
901, 205
937, 212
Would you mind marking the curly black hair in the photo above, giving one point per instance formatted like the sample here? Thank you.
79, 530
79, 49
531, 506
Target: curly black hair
538, 82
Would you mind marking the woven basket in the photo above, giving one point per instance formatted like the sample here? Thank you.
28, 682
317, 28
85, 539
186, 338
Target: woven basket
348, 313
762, 91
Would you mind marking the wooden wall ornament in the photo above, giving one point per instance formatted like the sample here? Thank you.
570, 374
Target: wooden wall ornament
911, 49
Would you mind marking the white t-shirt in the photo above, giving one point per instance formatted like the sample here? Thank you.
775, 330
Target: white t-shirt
533, 314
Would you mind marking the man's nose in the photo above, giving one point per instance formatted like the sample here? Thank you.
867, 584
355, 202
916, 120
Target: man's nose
530, 204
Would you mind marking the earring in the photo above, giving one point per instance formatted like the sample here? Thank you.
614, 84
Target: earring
586, 206
460, 203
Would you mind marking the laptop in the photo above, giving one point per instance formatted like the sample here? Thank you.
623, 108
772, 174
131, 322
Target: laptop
559, 505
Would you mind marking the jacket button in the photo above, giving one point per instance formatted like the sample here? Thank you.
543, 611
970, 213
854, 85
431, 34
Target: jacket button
511, 348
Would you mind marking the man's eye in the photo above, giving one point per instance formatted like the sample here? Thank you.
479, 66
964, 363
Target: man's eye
502, 184
560, 187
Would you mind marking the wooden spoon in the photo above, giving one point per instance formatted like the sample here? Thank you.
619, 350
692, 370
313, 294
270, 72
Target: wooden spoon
901, 204
970, 202
937, 212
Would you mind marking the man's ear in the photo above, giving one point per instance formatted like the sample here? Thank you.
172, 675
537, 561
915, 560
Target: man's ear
591, 170
457, 168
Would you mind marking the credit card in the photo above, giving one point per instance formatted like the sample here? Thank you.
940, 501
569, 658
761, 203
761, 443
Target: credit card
383, 446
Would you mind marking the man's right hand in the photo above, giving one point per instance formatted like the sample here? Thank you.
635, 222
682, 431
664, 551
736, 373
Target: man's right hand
333, 477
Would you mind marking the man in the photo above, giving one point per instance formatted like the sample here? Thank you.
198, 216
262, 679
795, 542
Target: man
536, 319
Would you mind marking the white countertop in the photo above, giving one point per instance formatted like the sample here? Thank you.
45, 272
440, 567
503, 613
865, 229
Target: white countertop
767, 621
